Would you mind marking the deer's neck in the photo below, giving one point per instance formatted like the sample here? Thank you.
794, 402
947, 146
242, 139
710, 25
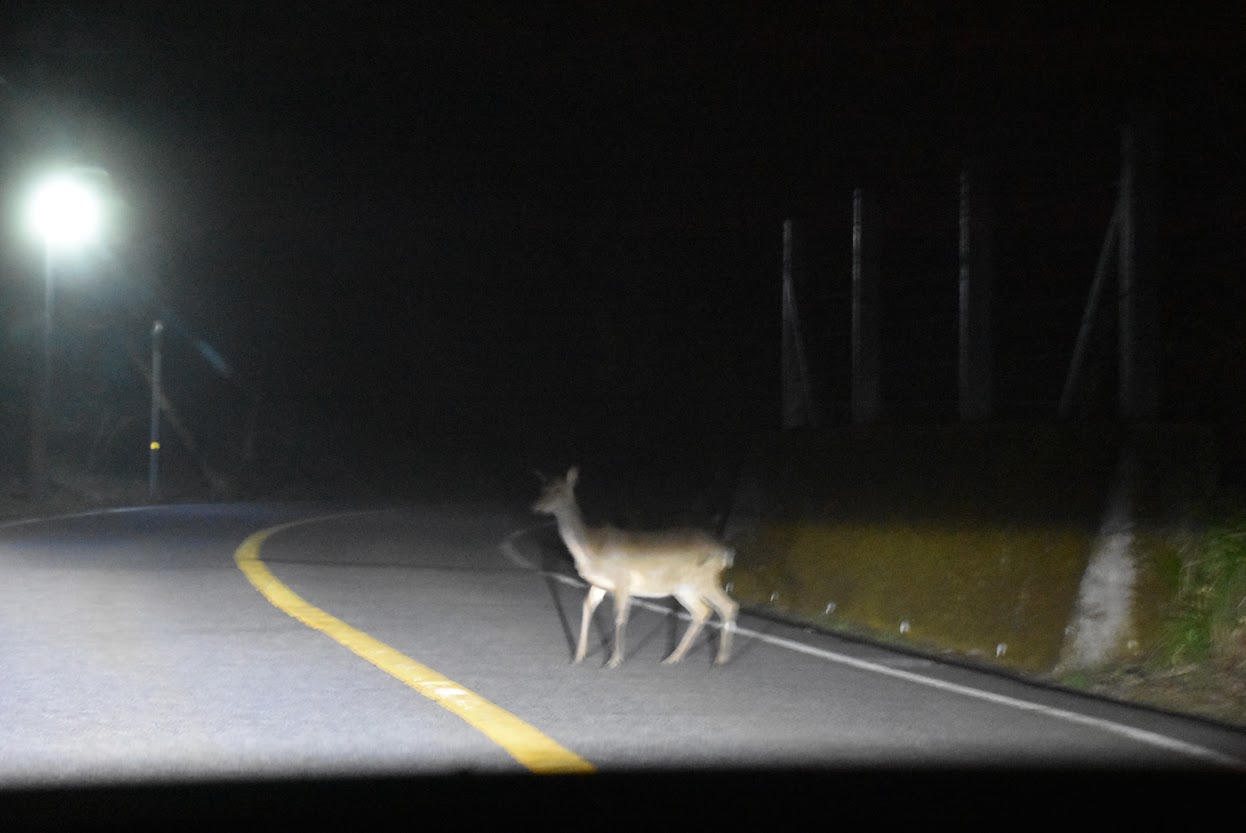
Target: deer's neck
575, 532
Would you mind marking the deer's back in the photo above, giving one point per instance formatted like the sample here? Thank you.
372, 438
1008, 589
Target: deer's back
672, 542
653, 563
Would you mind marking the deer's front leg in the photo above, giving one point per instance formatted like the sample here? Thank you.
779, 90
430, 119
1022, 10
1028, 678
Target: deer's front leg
594, 597
622, 603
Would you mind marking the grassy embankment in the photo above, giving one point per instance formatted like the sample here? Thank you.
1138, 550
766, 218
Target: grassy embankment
1206, 620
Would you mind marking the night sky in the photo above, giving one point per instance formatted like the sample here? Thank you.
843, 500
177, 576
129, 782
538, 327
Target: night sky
534, 230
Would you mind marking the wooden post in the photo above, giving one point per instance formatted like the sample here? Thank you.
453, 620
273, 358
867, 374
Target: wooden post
866, 363
219, 484
797, 387
153, 458
975, 348
1138, 374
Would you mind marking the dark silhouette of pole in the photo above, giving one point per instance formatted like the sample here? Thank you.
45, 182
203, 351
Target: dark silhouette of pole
797, 386
153, 468
1136, 267
866, 356
1090, 314
976, 279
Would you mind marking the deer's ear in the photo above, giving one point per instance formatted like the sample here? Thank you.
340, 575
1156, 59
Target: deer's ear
573, 474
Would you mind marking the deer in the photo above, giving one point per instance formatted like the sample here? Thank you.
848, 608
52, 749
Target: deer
684, 563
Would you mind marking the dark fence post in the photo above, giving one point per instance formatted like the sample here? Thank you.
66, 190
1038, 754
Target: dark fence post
975, 358
1138, 375
866, 398
797, 386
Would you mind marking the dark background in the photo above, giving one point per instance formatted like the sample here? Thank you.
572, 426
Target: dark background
535, 234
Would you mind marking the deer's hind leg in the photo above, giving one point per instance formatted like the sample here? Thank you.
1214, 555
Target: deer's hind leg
727, 610
700, 612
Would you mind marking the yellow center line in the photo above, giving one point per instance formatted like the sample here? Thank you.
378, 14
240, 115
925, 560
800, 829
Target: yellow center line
521, 741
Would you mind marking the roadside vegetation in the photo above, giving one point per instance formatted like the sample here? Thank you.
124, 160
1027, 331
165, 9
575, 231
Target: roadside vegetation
1198, 665
1209, 617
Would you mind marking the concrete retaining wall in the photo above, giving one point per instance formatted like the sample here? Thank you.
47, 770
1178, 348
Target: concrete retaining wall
986, 541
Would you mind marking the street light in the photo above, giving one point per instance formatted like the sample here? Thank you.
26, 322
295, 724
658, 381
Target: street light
65, 212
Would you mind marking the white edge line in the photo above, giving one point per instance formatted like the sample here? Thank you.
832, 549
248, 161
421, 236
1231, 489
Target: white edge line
86, 513
1133, 733
12, 523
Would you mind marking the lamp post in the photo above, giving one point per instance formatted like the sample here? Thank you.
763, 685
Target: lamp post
64, 213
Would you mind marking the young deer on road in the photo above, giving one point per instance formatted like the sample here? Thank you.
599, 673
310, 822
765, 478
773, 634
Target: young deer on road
686, 564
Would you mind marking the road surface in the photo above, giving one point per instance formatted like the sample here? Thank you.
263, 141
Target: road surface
244, 641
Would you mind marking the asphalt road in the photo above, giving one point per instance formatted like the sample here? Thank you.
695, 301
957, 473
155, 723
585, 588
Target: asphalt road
135, 649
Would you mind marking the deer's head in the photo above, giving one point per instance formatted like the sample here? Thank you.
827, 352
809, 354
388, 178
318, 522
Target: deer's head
557, 493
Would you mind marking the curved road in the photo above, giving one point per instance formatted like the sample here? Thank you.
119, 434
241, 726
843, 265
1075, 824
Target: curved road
243, 641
